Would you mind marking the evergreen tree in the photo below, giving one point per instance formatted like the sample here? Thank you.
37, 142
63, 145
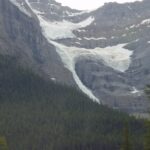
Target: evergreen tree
126, 140
147, 136
3, 143
147, 124
36, 114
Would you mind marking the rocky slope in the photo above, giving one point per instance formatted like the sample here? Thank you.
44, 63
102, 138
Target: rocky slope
105, 51
21, 37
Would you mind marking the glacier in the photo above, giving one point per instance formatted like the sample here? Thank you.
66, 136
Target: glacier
64, 29
117, 57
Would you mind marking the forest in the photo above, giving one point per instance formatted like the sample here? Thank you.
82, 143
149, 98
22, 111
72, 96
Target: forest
36, 114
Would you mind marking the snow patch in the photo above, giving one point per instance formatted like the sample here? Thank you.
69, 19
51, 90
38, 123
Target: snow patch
113, 37
53, 79
145, 22
135, 91
81, 30
93, 38
124, 35
78, 43
129, 7
71, 14
133, 26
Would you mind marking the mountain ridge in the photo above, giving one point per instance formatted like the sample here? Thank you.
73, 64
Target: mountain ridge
123, 23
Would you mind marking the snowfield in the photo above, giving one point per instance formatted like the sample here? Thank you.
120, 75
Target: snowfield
61, 30
96, 39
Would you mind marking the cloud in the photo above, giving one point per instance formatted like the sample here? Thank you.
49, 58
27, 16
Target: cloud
89, 4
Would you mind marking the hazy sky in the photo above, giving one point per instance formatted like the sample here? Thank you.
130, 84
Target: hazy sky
89, 4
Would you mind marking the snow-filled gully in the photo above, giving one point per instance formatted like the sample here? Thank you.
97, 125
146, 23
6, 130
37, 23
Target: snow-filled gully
116, 57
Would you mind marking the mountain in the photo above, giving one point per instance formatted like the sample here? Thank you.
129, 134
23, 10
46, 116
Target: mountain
104, 52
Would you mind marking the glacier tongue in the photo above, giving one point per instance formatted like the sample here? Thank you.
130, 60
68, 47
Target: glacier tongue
116, 57
69, 62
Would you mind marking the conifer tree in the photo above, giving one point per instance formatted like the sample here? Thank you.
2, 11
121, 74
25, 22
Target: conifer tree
126, 140
147, 136
147, 124
3, 144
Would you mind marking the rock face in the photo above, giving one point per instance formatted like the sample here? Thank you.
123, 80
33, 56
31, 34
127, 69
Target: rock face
21, 37
62, 43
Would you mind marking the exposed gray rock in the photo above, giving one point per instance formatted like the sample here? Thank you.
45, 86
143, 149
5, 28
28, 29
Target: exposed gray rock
21, 36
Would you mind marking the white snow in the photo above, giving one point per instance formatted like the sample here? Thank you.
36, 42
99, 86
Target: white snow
53, 79
78, 43
135, 91
81, 30
124, 35
60, 30
145, 22
130, 7
148, 42
93, 38
127, 28
133, 26
71, 14
113, 37
135, 41
20, 7
116, 57
64, 29
79, 39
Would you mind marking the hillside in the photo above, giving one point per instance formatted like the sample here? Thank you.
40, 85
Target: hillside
40, 115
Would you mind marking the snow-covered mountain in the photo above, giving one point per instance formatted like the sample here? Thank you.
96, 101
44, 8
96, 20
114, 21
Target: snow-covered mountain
104, 52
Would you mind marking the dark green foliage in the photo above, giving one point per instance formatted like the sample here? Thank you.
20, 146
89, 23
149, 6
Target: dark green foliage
147, 136
3, 144
40, 115
126, 138
147, 124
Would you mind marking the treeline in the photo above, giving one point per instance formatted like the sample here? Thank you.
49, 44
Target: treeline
41, 115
